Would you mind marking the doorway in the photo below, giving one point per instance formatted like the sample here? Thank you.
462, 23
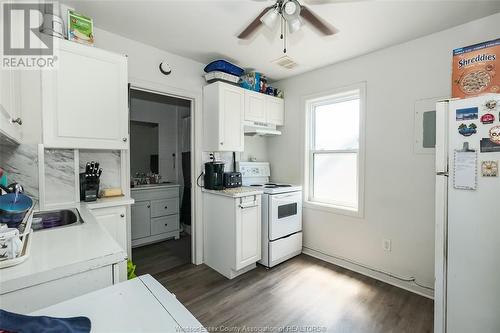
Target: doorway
160, 180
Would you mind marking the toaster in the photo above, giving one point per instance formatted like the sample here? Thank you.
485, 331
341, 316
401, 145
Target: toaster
232, 179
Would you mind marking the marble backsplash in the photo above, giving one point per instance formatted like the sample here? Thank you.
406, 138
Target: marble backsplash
110, 162
21, 164
59, 176
20, 161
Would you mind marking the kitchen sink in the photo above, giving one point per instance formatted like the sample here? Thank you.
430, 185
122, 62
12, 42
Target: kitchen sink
56, 219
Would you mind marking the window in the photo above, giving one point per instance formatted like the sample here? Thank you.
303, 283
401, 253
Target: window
334, 158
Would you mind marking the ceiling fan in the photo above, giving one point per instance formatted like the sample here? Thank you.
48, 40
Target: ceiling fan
289, 13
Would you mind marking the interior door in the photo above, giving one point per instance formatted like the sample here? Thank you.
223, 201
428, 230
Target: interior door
285, 214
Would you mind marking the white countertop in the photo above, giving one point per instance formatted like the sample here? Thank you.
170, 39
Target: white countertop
109, 202
61, 252
138, 305
236, 192
151, 187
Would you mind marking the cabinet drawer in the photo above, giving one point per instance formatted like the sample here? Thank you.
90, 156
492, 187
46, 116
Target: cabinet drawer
155, 194
165, 224
164, 207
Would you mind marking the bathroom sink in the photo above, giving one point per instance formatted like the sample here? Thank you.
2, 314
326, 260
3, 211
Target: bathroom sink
56, 219
152, 185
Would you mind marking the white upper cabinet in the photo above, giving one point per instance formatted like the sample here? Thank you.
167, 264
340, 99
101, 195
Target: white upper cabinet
10, 105
85, 100
275, 110
264, 108
223, 115
255, 106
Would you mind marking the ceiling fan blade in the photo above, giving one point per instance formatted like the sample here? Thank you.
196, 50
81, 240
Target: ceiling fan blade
312, 18
254, 25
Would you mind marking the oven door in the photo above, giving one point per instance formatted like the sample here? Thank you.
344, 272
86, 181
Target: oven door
285, 214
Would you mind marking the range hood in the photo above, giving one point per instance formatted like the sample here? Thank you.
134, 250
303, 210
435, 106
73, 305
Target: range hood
254, 128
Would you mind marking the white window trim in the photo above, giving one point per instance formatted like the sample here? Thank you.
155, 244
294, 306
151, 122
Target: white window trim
307, 103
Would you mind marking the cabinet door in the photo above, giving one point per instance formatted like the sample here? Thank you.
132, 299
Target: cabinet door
114, 220
248, 231
255, 106
85, 99
10, 114
275, 108
141, 219
231, 112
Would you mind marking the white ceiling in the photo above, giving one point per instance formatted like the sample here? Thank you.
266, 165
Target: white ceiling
206, 30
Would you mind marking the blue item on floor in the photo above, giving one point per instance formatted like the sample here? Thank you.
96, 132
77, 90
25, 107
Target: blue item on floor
13, 322
223, 66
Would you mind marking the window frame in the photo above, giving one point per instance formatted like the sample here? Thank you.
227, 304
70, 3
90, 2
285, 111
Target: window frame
341, 94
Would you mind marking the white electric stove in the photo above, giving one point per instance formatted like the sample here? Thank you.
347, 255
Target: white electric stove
281, 213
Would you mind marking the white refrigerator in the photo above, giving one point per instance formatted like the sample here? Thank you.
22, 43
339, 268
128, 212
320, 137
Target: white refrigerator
467, 258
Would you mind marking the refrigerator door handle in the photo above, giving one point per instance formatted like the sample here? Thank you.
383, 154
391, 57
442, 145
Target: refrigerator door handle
443, 174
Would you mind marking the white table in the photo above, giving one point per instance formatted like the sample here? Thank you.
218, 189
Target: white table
137, 305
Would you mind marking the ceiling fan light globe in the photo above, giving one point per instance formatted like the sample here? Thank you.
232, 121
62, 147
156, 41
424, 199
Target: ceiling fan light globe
290, 8
270, 18
294, 25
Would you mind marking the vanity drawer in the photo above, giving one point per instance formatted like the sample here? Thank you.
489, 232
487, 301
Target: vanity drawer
164, 207
164, 224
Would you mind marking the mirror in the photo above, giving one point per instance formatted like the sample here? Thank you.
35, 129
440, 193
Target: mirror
143, 147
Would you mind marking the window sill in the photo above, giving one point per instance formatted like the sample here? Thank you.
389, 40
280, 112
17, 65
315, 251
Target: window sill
333, 209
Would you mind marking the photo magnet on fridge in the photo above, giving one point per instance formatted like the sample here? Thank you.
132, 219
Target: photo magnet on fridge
467, 131
489, 168
467, 114
488, 146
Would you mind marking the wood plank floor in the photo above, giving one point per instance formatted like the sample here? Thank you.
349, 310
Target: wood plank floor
162, 256
302, 294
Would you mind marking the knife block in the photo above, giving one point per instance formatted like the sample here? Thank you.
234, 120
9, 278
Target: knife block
89, 188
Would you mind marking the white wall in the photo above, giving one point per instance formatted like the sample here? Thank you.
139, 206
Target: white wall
165, 115
399, 185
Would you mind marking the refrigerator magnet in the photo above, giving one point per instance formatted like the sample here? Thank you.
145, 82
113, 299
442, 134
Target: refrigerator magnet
489, 168
488, 146
495, 134
491, 104
488, 118
467, 114
465, 130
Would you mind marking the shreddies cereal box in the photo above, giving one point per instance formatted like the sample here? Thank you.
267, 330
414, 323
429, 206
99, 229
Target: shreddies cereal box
475, 69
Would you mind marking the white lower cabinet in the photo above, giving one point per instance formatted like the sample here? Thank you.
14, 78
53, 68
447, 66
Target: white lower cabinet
233, 232
155, 214
10, 109
39, 296
114, 220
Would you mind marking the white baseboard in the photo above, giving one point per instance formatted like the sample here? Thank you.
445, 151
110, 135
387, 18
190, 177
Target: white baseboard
410, 286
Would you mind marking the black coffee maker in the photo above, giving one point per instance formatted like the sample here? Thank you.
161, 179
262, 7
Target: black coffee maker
214, 174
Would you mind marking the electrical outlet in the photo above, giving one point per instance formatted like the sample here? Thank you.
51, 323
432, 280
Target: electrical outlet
386, 245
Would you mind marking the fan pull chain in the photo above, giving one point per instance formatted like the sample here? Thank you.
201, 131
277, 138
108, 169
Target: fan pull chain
284, 40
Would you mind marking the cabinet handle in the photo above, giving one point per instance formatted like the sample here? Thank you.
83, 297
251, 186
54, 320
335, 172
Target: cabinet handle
124, 139
148, 206
166, 207
122, 215
222, 143
18, 121
166, 224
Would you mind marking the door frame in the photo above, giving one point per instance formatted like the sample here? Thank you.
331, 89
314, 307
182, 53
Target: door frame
195, 97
